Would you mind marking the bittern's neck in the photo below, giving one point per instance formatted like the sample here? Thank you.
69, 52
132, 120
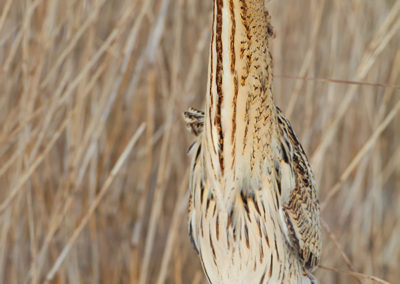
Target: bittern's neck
240, 75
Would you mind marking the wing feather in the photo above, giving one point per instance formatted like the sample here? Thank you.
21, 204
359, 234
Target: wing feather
301, 206
194, 186
194, 122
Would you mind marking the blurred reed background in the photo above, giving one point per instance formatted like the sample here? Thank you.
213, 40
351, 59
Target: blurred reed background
93, 164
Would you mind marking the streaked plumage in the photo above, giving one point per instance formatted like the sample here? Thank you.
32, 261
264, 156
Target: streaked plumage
253, 210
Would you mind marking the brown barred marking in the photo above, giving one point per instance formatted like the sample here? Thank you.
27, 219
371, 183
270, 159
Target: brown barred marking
246, 235
217, 227
233, 154
256, 205
280, 271
246, 130
276, 249
277, 199
271, 266
230, 216
259, 227
207, 206
262, 278
244, 18
202, 191
292, 232
232, 36
194, 120
234, 102
190, 202
267, 239
245, 46
235, 79
218, 81
212, 166
213, 249
211, 75
263, 206
215, 209
245, 203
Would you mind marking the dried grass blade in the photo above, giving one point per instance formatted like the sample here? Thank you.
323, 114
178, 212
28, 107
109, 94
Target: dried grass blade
356, 160
122, 158
355, 274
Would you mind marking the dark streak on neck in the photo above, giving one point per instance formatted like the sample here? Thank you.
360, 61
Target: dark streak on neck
218, 81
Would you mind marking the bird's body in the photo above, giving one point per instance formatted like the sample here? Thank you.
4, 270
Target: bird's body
253, 211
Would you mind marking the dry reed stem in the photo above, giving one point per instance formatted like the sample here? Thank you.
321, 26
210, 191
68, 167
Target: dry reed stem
73, 43
307, 58
98, 69
149, 52
163, 167
355, 274
337, 245
117, 167
171, 239
327, 80
3, 16
137, 229
16, 189
363, 151
377, 45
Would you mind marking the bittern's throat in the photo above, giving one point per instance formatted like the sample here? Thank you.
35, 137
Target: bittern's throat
240, 77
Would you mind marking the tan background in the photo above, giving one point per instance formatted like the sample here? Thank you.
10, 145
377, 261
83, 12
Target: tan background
79, 78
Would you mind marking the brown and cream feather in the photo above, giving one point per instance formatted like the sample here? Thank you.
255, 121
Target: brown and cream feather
253, 209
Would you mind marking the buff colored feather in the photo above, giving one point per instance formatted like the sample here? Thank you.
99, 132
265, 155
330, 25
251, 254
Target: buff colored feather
253, 209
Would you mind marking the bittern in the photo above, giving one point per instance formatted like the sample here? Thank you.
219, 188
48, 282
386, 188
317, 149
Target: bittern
253, 209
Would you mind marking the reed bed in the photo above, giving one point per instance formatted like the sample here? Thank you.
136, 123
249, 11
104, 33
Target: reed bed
93, 164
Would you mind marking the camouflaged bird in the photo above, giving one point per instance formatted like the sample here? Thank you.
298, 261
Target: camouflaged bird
253, 209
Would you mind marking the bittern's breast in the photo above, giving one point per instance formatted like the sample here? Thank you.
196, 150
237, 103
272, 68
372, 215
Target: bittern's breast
244, 244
